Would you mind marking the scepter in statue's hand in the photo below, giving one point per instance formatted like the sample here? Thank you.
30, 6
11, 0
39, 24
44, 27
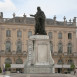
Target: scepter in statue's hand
32, 15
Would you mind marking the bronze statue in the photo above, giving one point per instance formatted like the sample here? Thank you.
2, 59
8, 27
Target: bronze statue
39, 22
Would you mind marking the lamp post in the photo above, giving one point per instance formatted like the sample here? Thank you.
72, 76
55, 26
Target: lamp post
62, 56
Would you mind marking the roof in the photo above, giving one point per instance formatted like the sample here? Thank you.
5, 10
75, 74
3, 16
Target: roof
29, 20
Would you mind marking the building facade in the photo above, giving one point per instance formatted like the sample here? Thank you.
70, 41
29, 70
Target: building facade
14, 35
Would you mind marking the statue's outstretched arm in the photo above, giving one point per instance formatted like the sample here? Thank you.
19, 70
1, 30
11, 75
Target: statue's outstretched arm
32, 15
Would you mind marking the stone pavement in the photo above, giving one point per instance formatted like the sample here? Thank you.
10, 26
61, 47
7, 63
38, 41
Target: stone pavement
38, 75
51, 75
42, 75
4, 76
1, 75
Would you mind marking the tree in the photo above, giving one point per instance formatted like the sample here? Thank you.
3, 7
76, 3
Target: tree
72, 67
7, 66
0, 70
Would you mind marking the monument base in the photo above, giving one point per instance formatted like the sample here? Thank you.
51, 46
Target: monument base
38, 69
39, 58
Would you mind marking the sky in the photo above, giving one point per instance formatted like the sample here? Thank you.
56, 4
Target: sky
60, 8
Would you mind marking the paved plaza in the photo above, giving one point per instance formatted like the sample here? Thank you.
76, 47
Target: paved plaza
38, 75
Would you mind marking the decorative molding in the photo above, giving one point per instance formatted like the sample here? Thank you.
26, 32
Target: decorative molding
74, 32
24, 29
2, 28
55, 31
14, 29
65, 31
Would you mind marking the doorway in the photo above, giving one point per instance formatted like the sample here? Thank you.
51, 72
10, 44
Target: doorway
59, 70
19, 70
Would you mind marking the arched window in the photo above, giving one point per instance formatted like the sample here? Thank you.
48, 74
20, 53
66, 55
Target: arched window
19, 46
19, 33
29, 33
8, 33
19, 61
69, 35
60, 48
50, 35
51, 47
8, 46
69, 48
60, 35
60, 61
70, 61
8, 61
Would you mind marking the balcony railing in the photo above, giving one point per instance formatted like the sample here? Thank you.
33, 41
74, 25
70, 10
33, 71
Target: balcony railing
8, 53
2, 52
19, 53
62, 66
65, 54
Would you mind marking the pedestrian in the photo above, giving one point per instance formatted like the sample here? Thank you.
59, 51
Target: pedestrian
4, 71
74, 72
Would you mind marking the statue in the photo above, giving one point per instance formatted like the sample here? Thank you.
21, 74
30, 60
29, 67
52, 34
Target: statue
39, 22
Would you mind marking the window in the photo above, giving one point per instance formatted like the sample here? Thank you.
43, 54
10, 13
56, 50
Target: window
8, 46
8, 33
51, 47
50, 35
60, 48
69, 48
29, 33
60, 35
70, 61
19, 33
60, 61
19, 61
8, 61
19, 47
69, 36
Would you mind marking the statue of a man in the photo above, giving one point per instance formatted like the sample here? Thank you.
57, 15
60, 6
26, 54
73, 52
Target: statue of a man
39, 22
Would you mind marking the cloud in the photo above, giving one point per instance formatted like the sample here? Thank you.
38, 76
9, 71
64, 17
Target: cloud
7, 6
60, 8
50, 7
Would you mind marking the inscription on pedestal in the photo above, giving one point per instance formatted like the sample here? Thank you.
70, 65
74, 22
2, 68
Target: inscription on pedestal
30, 50
42, 53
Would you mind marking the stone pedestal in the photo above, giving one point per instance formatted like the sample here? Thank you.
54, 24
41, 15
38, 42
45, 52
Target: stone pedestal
39, 58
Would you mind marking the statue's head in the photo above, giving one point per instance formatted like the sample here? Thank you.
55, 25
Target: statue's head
38, 8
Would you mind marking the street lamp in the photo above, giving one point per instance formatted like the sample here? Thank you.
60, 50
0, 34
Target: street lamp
62, 56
